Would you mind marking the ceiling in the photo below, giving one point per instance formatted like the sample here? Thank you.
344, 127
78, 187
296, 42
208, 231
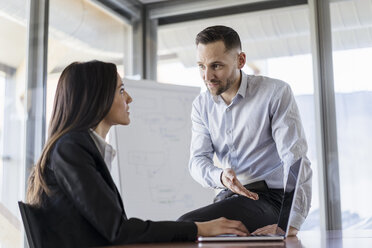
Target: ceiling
80, 31
274, 33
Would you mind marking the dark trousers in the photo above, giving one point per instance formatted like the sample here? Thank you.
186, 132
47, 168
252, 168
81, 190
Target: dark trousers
253, 214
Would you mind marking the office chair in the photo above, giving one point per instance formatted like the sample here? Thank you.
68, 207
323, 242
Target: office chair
30, 221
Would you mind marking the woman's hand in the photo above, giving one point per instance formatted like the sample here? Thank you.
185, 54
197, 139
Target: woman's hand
221, 226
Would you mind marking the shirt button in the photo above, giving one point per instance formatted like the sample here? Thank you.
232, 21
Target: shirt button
228, 131
227, 110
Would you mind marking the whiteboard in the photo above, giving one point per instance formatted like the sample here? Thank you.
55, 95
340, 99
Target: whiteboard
153, 153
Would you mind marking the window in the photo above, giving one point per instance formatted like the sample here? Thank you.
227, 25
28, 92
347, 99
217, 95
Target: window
277, 44
2, 103
12, 118
352, 56
81, 30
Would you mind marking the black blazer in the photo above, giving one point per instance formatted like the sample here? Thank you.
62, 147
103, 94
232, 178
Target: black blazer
85, 208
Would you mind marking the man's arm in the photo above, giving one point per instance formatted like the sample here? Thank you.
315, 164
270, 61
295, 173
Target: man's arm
290, 140
201, 164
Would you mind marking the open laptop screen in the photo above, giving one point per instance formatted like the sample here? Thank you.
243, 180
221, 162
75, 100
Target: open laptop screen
289, 192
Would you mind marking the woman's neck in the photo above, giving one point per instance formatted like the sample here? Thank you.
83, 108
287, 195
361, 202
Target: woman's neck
102, 129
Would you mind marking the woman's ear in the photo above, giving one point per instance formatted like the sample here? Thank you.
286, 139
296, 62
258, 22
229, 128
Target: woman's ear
241, 60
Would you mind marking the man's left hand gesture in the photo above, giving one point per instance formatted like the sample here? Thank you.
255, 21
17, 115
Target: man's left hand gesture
230, 181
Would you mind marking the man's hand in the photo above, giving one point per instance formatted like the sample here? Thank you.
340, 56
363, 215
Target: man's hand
292, 231
271, 229
229, 179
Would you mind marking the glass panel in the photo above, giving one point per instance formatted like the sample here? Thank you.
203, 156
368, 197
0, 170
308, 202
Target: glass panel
81, 30
277, 44
352, 59
2, 103
12, 118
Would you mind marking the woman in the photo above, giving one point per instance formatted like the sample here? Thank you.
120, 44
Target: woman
71, 185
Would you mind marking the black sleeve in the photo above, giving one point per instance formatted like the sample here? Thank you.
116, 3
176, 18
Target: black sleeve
75, 170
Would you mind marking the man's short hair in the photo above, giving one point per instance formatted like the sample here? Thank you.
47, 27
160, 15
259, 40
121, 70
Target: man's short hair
212, 34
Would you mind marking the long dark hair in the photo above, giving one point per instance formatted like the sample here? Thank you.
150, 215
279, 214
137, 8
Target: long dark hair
84, 95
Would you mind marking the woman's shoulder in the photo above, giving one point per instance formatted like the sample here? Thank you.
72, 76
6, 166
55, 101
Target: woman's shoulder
74, 136
73, 146
75, 140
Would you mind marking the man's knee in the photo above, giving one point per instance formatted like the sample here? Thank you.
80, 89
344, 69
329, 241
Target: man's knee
186, 217
196, 215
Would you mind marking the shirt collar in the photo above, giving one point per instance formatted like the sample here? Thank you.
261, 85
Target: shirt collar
101, 144
243, 84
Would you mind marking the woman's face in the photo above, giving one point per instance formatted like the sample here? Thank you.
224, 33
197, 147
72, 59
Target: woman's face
118, 113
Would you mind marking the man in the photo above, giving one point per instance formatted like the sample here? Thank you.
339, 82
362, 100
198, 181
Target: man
253, 125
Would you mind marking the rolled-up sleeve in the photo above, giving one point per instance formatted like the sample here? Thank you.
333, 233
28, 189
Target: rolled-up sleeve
201, 164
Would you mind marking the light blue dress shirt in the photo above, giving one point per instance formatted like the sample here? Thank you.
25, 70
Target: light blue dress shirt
259, 135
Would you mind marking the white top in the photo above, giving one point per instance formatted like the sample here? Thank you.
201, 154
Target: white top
108, 153
259, 135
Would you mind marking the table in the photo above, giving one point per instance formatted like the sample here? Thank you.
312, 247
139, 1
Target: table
308, 239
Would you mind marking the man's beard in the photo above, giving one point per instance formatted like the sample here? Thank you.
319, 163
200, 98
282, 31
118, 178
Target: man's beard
221, 89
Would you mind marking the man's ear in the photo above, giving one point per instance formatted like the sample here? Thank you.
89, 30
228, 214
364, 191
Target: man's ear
241, 60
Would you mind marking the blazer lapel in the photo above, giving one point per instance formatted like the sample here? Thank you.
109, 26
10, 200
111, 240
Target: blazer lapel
102, 168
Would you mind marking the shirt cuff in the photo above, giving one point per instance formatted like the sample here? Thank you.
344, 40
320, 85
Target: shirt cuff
217, 178
296, 220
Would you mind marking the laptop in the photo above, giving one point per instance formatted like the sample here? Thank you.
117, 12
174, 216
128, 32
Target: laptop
284, 215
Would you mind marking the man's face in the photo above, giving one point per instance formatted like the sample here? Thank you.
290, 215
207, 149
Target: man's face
218, 68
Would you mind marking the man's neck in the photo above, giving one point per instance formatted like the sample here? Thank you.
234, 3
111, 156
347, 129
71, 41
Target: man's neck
228, 95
